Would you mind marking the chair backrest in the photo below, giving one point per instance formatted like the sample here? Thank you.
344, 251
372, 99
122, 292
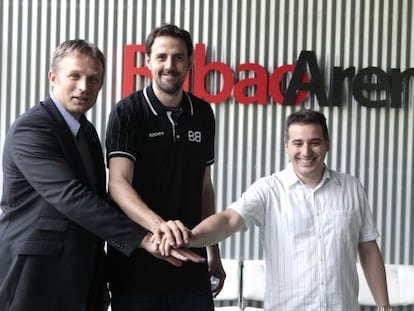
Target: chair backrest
254, 278
231, 289
400, 283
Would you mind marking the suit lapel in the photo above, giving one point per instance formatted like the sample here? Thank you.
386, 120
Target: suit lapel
66, 140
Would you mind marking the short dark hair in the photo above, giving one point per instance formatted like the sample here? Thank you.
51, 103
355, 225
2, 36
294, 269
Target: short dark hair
307, 116
76, 46
169, 30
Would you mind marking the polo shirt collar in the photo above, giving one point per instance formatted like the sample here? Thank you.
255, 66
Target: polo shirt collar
158, 108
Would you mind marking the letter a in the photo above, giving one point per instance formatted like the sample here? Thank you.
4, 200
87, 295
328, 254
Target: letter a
306, 59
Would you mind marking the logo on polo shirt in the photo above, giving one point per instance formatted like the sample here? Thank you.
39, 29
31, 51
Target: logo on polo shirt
156, 134
194, 136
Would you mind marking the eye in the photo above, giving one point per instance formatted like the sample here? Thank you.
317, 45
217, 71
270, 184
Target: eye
94, 79
179, 57
74, 76
160, 57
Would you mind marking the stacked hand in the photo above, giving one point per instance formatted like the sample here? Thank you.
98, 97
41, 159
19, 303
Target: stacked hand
171, 235
171, 240
175, 256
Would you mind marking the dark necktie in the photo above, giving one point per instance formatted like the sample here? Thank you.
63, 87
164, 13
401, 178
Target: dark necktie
83, 144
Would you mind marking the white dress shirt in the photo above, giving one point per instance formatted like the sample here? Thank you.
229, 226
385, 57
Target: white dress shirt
70, 120
310, 238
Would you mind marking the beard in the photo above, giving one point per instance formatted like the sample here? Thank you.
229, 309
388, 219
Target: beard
171, 86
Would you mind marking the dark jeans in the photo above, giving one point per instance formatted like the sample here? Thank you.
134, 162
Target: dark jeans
191, 301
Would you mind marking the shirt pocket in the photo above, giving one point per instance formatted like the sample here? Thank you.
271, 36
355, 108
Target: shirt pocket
346, 225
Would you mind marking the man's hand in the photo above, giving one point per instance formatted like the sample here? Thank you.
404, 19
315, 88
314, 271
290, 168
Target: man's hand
172, 231
175, 257
166, 246
215, 266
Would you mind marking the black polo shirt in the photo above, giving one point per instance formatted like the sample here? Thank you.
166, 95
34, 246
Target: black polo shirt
170, 150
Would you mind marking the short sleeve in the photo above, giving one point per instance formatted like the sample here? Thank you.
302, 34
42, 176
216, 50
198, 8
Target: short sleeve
368, 231
121, 136
252, 205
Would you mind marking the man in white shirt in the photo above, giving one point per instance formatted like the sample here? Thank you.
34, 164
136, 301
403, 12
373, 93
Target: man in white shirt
313, 222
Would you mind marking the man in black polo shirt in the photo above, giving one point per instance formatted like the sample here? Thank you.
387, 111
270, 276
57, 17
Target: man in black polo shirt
160, 145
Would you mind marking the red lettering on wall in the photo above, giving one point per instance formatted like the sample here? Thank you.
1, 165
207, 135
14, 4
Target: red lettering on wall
257, 89
275, 81
201, 69
130, 70
258, 84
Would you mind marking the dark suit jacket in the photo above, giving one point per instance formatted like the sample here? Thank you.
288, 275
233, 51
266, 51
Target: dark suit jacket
53, 226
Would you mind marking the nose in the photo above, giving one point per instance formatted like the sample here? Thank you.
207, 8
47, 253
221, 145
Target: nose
82, 84
306, 149
169, 62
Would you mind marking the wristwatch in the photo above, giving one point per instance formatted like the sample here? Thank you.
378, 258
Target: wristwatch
384, 308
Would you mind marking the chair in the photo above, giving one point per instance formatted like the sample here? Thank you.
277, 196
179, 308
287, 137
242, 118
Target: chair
253, 280
230, 294
400, 283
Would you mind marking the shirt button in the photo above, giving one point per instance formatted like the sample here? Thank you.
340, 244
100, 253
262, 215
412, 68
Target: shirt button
118, 244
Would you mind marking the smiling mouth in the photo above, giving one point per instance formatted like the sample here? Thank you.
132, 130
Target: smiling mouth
306, 162
171, 73
81, 98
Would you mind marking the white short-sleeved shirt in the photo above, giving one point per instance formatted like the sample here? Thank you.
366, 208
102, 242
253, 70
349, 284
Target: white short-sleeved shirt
310, 238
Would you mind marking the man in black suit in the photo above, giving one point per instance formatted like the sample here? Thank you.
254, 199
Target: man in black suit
55, 212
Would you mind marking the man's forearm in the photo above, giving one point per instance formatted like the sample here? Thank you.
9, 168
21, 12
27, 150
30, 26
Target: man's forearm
373, 266
216, 228
133, 206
